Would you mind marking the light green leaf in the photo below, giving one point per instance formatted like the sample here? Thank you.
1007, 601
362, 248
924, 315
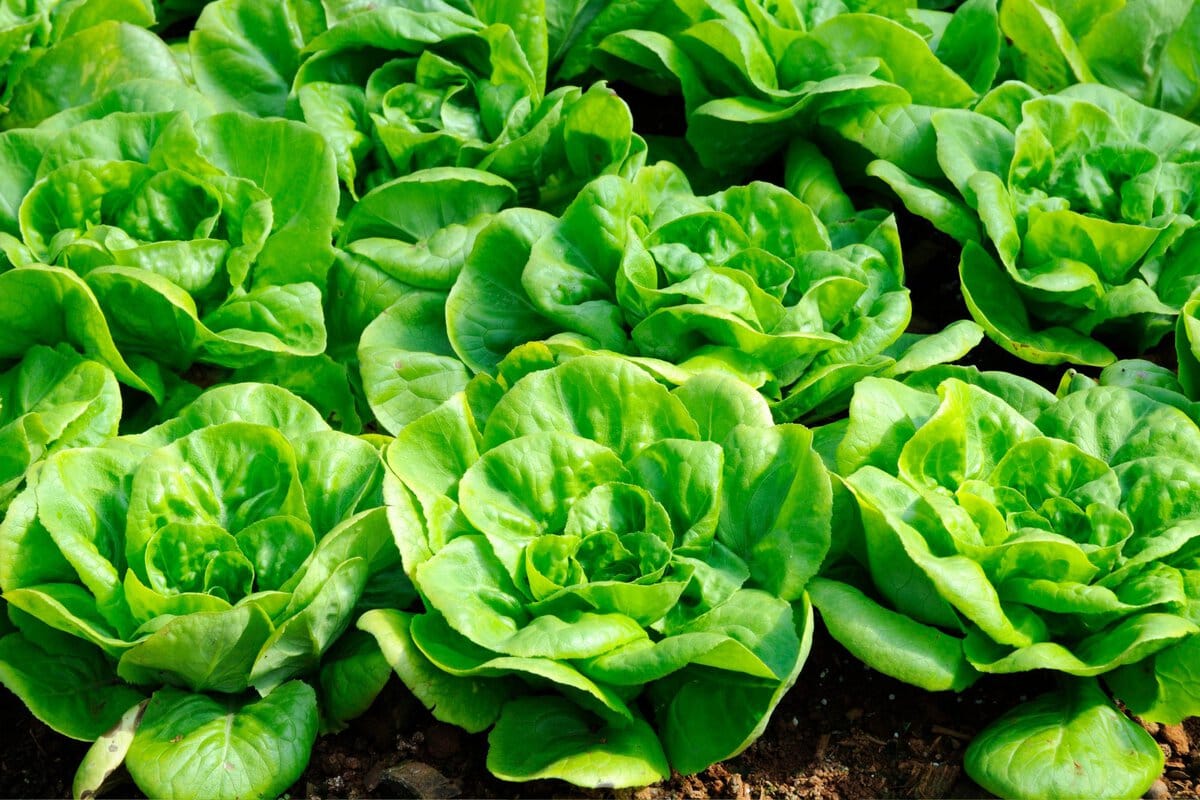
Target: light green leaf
408, 366
319, 380
1134, 426
296, 646
80, 697
254, 403
47, 305
1070, 743
719, 403
525, 487
964, 439
707, 716
245, 54
996, 305
972, 43
775, 506
85, 66
296, 168
503, 624
947, 213
469, 702
205, 651
352, 675
488, 312
579, 748
884, 415
230, 475
607, 400
195, 746
892, 643
341, 476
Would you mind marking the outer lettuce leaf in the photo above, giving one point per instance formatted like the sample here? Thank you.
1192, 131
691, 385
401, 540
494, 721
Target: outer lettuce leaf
80, 697
319, 380
244, 55
628, 755
1070, 743
409, 235
192, 745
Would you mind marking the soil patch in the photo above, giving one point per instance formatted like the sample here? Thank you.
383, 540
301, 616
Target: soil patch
844, 732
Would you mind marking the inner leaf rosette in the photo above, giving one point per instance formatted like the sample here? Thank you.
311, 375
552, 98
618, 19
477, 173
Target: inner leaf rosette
1005, 530
618, 564
222, 552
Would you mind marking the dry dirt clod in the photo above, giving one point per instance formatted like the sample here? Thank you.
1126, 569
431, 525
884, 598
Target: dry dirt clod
421, 781
1158, 791
1177, 737
1151, 728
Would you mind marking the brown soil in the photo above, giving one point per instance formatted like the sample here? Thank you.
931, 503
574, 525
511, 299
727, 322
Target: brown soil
844, 731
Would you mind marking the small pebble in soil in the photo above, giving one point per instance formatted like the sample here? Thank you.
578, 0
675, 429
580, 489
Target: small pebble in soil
1158, 791
421, 780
